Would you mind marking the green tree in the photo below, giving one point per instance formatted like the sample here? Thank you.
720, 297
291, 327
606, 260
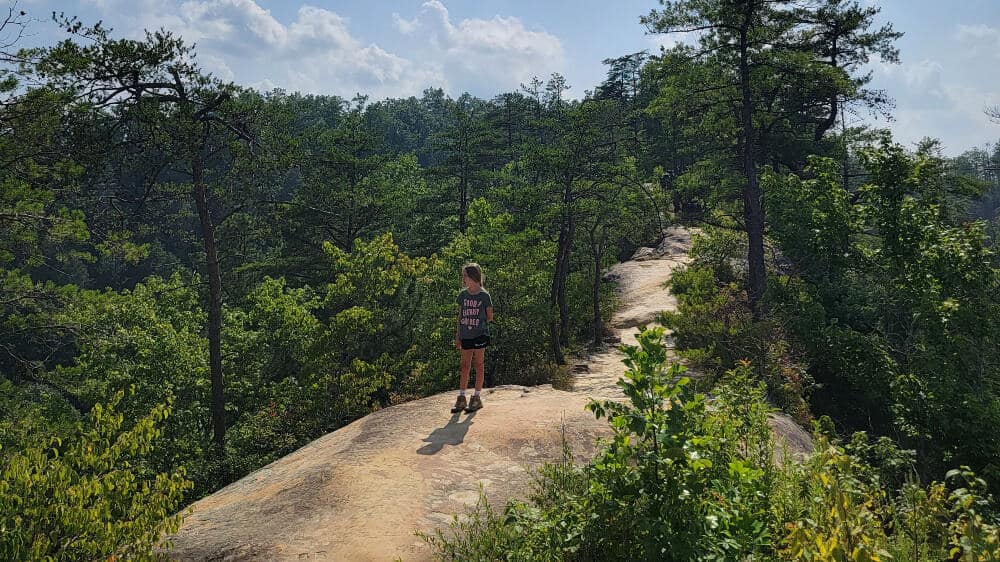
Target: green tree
762, 77
735, 32
154, 82
616, 209
508, 115
467, 148
982, 164
623, 84
42, 239
558, 175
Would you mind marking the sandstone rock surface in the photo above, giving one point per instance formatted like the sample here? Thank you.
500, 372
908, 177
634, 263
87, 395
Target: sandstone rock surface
359, 493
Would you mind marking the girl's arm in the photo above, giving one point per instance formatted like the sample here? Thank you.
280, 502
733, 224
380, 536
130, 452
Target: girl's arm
458, 329
489, 313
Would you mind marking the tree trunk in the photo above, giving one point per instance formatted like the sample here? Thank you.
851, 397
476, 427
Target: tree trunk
830, 121
557, 354
463, 202
555, 331
753, 205
560, 320
555, 337
831, 118
564, 275
214, 302
598, 255
510, 128
846, 171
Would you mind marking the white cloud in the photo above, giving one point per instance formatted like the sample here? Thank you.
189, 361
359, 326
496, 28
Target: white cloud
945, 97
314, 53
484, 55
932, 100
241, 41
915, 85
217, 66
264, 85
979, 39
923, 74
978, 31
404, 25
317, 51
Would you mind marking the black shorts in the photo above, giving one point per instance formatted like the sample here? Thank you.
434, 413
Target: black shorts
476, 343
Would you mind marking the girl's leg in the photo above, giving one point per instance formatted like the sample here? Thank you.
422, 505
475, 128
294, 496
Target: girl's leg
480, 359
466, 365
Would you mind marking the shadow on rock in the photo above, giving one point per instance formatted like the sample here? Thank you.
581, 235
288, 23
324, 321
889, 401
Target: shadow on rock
453, 433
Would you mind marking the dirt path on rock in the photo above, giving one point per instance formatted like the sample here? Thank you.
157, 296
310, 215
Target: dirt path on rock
359, 493
641, 296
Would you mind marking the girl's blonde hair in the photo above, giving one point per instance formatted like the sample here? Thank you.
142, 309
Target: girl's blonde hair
474, 272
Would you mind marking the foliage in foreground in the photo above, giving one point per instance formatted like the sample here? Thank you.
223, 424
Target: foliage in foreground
88, 497
682, 481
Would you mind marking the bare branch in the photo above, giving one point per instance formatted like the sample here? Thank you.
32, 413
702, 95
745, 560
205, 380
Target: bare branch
993, 112
12, 30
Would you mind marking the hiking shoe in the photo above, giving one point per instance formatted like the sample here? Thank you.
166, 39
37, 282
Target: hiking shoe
474, 404
459, 404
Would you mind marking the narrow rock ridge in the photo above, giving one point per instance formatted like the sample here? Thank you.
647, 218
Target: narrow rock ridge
360, 492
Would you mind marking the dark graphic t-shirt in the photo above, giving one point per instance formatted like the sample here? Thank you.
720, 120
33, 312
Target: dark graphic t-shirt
472, 314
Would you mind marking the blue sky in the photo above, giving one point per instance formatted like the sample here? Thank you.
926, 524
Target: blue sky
950, 51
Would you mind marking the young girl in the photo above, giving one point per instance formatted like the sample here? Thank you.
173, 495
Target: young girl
472, 335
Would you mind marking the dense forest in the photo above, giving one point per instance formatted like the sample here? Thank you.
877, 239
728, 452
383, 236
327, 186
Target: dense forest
197, 278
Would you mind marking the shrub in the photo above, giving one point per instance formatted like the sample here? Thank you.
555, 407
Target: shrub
88, 497
714, 329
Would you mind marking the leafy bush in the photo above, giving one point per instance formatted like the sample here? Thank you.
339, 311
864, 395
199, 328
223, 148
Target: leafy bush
88, 497
714, 329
